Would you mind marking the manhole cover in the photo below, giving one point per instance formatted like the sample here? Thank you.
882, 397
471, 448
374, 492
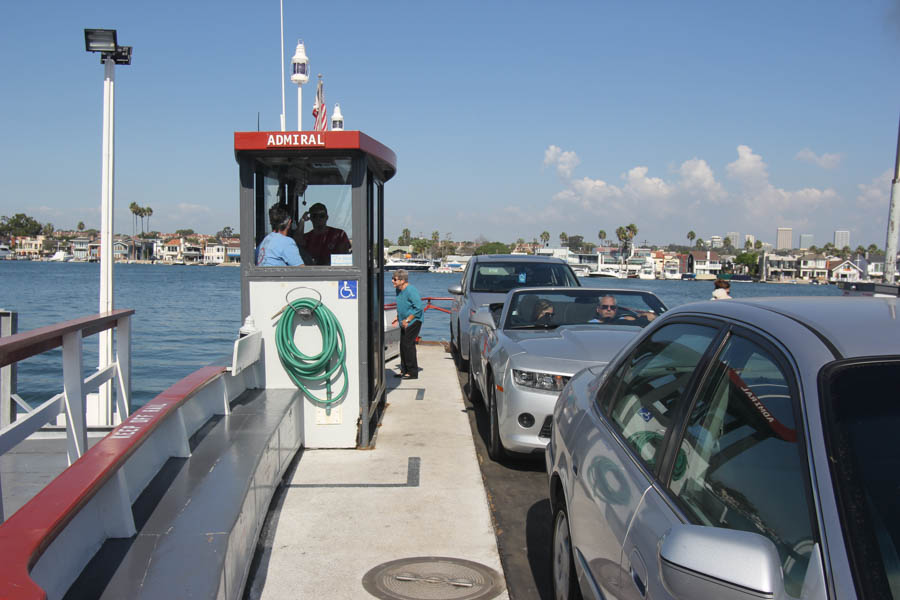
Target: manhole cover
433, 578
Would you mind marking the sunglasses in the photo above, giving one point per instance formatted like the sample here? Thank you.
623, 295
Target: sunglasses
608, 306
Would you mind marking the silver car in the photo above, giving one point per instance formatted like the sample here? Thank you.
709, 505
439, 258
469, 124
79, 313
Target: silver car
487, 278
524, 350
735, 449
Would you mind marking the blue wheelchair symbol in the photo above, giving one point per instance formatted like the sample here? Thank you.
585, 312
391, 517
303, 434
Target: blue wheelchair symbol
646, 415
347, 289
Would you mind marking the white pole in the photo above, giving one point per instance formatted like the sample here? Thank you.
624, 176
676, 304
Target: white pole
299, 108
890, 245
107, 193
281, 3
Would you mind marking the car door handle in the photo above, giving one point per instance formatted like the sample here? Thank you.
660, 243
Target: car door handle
638, 583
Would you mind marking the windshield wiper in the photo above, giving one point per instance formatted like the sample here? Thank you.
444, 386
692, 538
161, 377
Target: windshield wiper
535, 326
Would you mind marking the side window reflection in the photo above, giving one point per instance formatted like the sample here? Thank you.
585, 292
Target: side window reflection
655, 377
740, 465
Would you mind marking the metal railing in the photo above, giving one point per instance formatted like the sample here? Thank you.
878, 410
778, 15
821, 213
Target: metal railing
72, 401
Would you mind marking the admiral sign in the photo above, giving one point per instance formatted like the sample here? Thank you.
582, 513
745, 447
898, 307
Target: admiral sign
290, 140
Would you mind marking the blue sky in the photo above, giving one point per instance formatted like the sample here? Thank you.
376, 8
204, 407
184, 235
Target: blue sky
508, 118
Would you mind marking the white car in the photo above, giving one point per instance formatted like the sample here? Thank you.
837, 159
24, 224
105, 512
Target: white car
524, 351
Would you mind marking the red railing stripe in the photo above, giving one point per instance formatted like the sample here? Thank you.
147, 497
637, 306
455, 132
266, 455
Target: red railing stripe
28, 532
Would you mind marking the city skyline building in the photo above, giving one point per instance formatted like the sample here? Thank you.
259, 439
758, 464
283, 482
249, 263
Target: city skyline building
715, 241
735, 239
806, 240
784, 238
750, 238
841, 238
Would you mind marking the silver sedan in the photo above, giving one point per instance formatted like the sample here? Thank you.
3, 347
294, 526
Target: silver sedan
735, 449
487, 278
523, 351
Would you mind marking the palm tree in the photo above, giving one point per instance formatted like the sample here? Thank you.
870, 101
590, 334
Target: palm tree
435, 241
148, 212
691, 236
80, 225
700, 243
747, 245
758, 244
563, 238
545, 237
602, 235
135, 209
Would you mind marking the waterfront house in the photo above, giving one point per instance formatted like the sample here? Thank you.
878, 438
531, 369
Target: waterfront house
813, 267
80, 248
704, 264
122, 249
29, 246
775, 267
214, 253
172, 251
233, 252
192, 253
844, 270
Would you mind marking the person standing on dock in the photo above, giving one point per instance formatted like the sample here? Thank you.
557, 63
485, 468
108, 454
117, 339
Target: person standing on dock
277, 249
411, 312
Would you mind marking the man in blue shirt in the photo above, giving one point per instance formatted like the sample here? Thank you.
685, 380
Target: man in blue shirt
277, 249
411, 313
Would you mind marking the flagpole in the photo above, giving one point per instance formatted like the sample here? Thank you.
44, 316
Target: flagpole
281, 4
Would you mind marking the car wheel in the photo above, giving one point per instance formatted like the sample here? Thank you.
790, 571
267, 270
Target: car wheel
495, 445
565, 581
474, 393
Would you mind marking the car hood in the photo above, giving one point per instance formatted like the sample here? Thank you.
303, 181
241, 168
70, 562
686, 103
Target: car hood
567, 349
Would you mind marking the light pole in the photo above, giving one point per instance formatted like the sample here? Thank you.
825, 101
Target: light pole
893, 231
300, 75
111, 53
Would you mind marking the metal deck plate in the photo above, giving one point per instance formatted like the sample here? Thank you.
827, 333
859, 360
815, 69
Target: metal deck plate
433, 578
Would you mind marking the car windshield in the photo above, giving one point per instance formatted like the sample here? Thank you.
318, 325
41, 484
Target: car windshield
599, 307
500, 277
861, 414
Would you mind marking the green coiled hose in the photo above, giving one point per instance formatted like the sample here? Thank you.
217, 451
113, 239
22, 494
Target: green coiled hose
318, 367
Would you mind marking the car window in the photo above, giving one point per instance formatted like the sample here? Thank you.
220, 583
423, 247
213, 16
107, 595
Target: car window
861, 417
654, 378
500, 277
740, 464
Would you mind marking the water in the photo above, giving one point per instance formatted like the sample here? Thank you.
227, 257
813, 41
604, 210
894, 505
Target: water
188, 317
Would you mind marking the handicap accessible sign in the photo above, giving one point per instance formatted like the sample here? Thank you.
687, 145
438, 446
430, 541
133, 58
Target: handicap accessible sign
347, 289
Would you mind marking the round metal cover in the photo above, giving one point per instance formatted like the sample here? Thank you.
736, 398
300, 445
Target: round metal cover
433, 578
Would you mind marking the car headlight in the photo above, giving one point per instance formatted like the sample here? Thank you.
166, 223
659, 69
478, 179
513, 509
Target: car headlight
540, 381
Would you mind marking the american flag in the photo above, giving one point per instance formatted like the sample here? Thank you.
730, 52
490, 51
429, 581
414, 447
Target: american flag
320, 111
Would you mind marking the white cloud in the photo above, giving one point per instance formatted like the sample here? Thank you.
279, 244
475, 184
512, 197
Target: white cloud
565, 161
697, 176
826, 161
749, 167
876, 193
646, 188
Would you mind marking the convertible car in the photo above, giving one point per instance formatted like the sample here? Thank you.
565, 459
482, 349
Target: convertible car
524, 350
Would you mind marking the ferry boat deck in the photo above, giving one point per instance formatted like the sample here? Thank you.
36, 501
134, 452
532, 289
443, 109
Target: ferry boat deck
406, 519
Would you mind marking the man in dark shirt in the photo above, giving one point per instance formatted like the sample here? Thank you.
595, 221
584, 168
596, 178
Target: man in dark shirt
322, 241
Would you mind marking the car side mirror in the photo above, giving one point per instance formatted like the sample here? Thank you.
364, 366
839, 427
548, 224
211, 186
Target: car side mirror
456, 290
483, 316
699, 562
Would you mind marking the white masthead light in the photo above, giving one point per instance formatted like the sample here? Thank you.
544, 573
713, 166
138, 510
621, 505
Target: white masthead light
300, 75
337, 119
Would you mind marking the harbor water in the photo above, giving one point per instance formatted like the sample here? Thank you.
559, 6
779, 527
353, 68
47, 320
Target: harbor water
187, 317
